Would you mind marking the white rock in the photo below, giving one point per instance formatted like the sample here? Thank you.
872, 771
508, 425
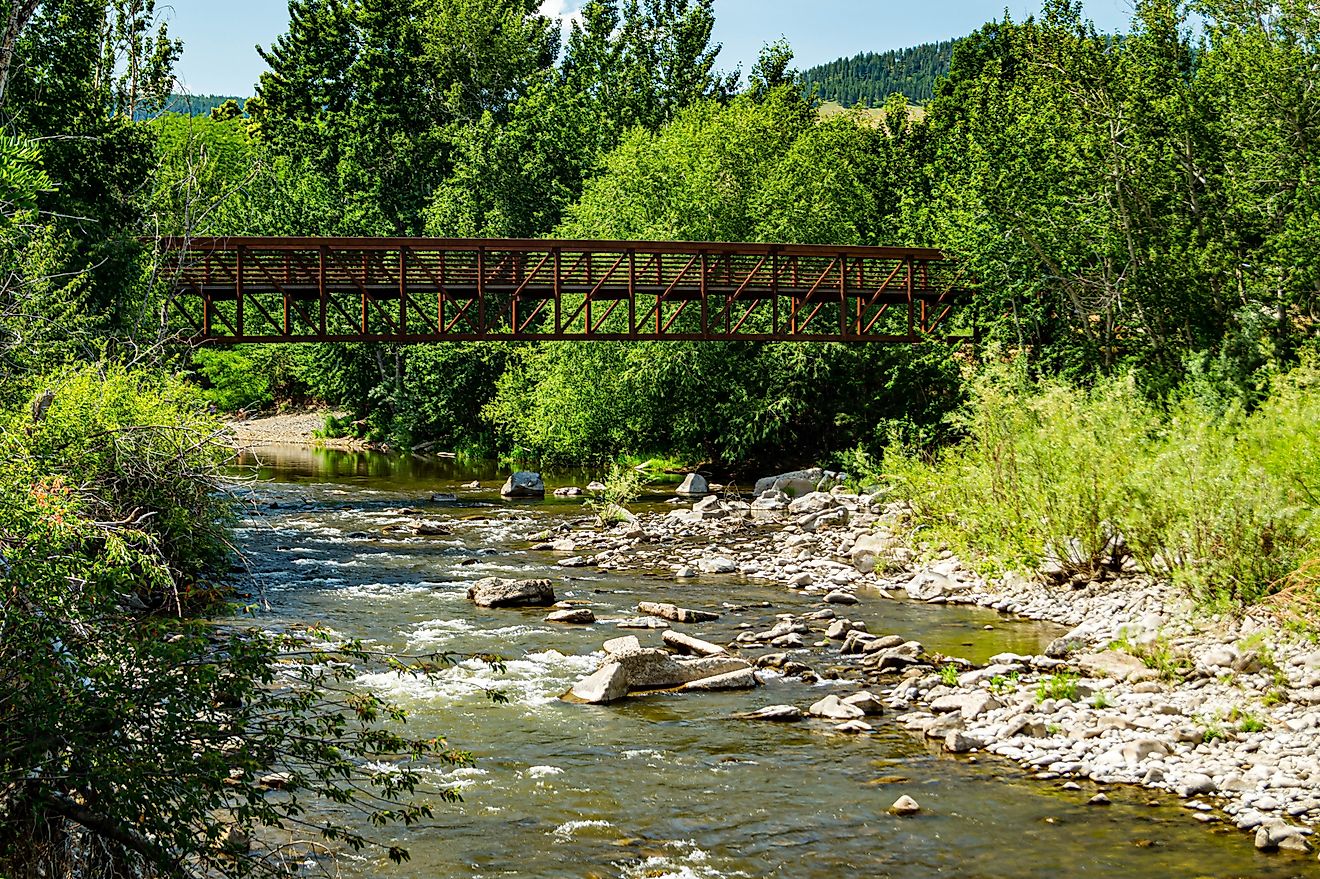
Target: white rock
905, 805
834, 708
608, 684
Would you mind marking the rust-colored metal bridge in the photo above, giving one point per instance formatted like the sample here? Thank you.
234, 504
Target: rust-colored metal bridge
231, 290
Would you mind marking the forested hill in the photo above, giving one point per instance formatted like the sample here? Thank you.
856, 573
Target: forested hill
871, 77
199, 105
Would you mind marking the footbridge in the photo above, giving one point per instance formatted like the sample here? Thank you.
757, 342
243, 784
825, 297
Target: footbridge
231, 290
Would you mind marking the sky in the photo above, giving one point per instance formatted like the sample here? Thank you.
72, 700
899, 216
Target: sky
219, 55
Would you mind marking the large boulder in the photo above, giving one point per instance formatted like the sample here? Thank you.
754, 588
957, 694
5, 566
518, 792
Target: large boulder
523, 484
869, 549
501, 592
813, 502
1114, 664
794, 484
652, 669
608, 684
694, 485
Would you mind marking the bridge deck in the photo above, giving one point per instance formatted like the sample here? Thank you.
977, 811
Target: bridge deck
429, 290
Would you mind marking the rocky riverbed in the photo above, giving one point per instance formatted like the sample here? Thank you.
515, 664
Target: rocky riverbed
1222, 712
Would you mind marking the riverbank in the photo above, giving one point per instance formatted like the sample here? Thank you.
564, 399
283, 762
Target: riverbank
1223, 712
299, 428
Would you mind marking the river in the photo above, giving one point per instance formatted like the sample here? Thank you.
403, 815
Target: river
665, 785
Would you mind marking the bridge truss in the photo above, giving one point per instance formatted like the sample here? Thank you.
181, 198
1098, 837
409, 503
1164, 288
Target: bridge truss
230, 290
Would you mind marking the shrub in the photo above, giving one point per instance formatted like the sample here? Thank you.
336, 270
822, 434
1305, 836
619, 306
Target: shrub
134, 742
621, 488
1223, 502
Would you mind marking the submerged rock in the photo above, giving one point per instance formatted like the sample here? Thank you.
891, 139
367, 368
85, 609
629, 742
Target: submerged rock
774, 714
500, 592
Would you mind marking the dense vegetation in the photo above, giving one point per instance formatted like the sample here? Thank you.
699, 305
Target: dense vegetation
1139, 214
870, 78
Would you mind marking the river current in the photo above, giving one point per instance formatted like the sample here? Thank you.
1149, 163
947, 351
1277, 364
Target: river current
665, 786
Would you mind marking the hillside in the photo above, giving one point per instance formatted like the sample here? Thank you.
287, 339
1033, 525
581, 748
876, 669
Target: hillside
199, 105
871, 77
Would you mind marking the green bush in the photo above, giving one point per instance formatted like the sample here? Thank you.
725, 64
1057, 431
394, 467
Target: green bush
141, 453
1222, 501
134, 737
254, 376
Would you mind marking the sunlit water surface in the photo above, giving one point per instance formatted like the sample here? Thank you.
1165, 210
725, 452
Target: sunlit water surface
667, 785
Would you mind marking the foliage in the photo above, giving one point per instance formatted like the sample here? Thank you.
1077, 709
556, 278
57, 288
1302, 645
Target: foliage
136, 742
621, 488
1224, 502
949, 675
1058, 686
254, 377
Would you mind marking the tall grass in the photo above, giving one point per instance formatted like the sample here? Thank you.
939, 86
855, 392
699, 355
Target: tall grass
1222, 501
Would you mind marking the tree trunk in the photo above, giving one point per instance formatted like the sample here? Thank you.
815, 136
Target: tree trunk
20, 13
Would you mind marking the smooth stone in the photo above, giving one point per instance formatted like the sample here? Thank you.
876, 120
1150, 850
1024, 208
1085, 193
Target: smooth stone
694, 485
578, 616
717, 565
692, 646
838, 596
864, 700
905, 805
742, 679
854, 726
834, 708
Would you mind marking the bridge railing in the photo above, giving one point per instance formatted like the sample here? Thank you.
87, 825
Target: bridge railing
427, 290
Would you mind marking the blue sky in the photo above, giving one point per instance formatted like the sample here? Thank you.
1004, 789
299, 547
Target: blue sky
219, 55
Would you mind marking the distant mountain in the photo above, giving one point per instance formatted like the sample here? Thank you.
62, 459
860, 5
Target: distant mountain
199, 105
870, 78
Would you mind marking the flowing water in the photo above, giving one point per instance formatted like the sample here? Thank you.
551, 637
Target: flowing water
664, 785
